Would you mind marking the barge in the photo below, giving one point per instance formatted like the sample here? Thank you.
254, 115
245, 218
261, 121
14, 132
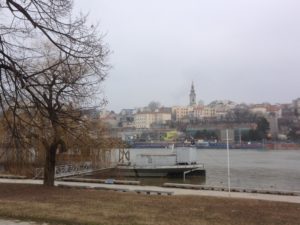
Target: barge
161, 171
180, 163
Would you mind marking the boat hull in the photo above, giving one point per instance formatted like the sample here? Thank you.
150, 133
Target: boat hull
166, 171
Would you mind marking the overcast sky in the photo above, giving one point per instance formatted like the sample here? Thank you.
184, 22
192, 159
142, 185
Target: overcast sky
241, 50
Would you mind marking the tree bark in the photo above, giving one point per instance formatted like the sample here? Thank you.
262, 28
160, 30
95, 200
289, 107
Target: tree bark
49, 169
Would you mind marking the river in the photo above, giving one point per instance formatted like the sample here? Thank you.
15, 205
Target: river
259, 169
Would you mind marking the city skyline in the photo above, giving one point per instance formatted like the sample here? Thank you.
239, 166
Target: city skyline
192, 102
237, 50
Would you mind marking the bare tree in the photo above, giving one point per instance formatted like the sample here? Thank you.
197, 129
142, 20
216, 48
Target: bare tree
51, 111
51, 84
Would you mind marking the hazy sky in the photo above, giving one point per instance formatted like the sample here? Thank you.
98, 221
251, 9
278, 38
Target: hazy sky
242, 50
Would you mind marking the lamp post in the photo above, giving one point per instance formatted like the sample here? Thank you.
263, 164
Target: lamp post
228, 161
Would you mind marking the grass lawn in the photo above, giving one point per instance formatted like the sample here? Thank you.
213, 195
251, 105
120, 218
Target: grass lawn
74, 206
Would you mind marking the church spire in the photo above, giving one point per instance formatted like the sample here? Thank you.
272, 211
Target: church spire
192, 95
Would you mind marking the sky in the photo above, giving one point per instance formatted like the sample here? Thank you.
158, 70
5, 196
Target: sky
247, 51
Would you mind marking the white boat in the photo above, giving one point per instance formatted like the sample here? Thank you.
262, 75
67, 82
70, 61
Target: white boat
160, 165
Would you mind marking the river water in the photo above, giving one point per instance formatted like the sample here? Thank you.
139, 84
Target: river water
259, 169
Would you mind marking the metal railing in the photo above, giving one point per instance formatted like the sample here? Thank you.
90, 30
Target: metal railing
67, 170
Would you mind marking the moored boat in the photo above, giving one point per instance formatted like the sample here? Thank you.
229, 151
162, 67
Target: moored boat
161, 171
176, 164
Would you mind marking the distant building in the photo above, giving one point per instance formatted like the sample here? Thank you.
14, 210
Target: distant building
198, 112
126, 118
222, 107
192, 96
143, 120
287, 111
275, 110
287, 119
296, 106
146, 119
162, 117
127, 112
180, 112
259, 109
202, 112
209, 112
92, 113
272, 118
110, 118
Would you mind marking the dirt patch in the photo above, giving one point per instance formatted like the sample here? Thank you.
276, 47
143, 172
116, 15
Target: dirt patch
73, 206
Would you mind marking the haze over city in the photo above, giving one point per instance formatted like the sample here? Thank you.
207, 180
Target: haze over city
201, 125
245, 51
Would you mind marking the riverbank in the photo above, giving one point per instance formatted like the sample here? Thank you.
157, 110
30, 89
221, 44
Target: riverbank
175, 191
88, 206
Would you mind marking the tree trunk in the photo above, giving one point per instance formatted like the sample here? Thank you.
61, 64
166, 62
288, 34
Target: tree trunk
49, 169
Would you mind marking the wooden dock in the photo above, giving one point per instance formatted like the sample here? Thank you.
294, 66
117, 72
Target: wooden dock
101, 181
233, 189
119, 189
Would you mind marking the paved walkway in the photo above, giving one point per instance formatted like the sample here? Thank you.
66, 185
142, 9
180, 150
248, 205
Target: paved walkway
268, 197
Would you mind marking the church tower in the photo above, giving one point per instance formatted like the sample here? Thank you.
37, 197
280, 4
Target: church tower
192, 95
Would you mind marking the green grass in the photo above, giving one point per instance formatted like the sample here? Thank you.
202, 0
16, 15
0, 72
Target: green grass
73, 206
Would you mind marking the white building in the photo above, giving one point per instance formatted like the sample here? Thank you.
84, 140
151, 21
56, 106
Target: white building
202, 112
198, 112
182, 111
162, 117
146, 119
222, 107
259, 109
209, 112
143, 120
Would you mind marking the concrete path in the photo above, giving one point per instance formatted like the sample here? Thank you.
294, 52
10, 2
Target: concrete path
18, 222
176, 191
